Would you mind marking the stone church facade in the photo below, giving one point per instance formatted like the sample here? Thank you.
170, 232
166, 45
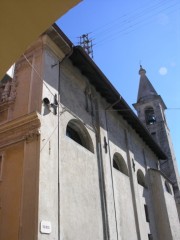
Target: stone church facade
75, 161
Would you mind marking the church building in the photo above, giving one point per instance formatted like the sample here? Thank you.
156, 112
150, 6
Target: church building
76, 163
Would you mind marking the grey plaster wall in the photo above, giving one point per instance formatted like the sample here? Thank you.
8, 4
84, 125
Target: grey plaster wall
172, 213
81, 214
163, 222
124, 206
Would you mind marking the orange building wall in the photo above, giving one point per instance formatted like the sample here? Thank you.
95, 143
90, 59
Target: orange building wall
11, 191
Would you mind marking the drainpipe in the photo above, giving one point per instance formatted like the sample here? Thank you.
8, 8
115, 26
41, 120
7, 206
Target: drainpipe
96, 124
58, 140
130, 166
150, 194
110, 162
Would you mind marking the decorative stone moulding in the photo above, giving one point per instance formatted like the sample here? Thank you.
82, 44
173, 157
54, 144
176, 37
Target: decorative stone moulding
7, 97
8, 91
32, 135
25, 128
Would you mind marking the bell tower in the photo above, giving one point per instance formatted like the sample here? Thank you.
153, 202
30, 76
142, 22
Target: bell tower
151, 108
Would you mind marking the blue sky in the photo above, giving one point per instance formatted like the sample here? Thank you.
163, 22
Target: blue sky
127, 34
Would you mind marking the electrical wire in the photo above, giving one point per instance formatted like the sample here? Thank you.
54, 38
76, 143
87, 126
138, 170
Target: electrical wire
130, 28
134, 17
131, 17
131, 21
126, 17
38, 74
65, 45
108, 110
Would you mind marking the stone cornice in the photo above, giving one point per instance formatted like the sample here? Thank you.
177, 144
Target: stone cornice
22, 128
50, 45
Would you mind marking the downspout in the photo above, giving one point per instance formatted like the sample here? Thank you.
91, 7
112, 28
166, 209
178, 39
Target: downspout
101, 174
58, 140
132, 186
110, 162
150, 194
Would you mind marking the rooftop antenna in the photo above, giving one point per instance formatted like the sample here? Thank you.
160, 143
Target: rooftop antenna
86, 43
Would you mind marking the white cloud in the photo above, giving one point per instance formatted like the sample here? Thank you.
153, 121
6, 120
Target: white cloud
163, 71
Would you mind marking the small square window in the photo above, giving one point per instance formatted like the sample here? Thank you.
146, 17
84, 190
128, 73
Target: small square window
1, 165
146, 212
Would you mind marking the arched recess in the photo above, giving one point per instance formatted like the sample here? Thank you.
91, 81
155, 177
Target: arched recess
76, 131
119, 164
150, 116
141, 179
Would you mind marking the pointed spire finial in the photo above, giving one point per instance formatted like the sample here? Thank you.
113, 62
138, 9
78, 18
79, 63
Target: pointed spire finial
146, 89
142, 71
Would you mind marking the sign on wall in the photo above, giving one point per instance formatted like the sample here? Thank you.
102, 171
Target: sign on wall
45, 227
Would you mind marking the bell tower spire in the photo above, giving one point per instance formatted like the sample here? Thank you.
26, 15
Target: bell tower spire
146, 89
151, 108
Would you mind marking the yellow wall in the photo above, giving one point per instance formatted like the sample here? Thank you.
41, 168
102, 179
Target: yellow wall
21, 22
19, 191
10, 192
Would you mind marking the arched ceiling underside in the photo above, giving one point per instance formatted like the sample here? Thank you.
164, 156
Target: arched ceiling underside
21, 22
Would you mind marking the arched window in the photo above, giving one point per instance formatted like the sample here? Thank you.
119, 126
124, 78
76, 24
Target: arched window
167, 187
141, 179
150, 116
77, 132
119, 164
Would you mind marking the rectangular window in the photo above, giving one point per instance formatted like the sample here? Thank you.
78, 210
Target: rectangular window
146, 212
150, 237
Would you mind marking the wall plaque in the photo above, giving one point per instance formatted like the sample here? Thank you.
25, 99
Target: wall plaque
45, 227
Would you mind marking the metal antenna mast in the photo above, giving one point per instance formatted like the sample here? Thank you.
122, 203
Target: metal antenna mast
86, 43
